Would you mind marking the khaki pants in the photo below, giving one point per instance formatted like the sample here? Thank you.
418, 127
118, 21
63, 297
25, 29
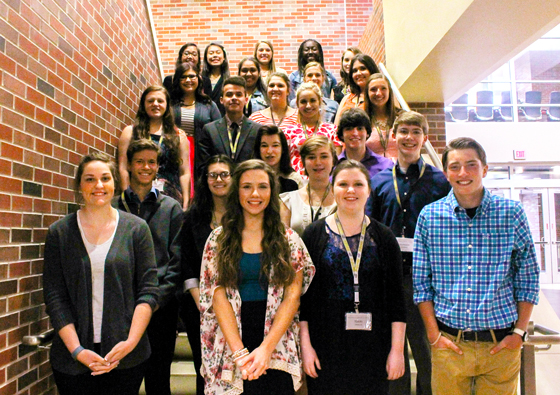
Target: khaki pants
454, 374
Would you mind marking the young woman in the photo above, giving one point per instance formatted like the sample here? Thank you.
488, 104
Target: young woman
315, 200
345, 353
361, 67
192, 108
250, 70
100, 288
341, 89
314, 72
311, 51
264, 53
154, 121
204, 215
279, 113
188, 53
311, 123
271, 146
216, 68
253, 273
380, 106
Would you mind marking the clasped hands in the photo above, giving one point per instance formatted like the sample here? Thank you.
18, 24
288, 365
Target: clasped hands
99, 365
255, 364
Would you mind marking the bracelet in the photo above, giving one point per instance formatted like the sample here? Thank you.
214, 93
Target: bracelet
437, 340
75, 353
240, 354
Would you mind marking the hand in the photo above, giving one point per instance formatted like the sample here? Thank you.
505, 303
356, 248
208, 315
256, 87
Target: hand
444, 342
95, 362
310, 361
121, 350
395, 364
512, 342
255, 364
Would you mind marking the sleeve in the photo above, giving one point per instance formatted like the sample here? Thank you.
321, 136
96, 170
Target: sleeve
285, 198
190, 257
300, 259
524, 261
421, 267
373, 205
208, 273
394, 277
172, 278
55, 290
145, 264
205, 149
214, 112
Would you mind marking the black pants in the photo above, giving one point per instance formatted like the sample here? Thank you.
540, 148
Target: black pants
162, 333
116, 382
191, 320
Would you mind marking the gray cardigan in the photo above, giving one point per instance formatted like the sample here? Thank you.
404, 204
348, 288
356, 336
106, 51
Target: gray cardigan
130, 279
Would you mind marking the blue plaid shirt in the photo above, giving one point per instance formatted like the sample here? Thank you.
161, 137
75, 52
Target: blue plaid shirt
475, 270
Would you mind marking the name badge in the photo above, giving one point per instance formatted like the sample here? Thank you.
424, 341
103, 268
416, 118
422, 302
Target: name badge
158, 184
358, 321
406, 244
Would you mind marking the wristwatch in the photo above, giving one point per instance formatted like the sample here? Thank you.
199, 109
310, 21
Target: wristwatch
520, 332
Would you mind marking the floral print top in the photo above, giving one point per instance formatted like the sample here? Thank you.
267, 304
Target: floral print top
221, 374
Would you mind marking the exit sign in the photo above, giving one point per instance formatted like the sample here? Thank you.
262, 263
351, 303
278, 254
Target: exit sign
518, 155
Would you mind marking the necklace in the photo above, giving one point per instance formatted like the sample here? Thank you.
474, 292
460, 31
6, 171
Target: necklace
281, 119
315, 217
380, 126
314, 130
215, 223
185, 104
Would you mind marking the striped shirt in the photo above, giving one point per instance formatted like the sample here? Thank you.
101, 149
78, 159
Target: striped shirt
475, 270
258, 117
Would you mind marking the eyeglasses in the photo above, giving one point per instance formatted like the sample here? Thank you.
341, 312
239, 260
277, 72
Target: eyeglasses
189, 77
224, 175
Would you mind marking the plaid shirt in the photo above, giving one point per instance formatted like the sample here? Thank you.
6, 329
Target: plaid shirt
475, 270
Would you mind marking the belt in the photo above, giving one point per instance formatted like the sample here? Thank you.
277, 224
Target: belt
480, 336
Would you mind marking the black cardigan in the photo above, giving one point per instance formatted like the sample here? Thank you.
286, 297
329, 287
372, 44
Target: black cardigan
130, 279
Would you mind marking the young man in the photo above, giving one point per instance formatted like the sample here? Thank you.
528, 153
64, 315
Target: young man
164, 216
354, 129
234, 135
476, 279
398, 195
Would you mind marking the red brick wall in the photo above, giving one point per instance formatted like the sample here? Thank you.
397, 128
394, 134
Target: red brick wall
436, 121
239, 24
372, 41
71, 73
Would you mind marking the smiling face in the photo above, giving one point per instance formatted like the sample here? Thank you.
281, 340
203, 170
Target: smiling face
319, 163
155, 104
234, 99
314, 74
309, 105
310, 52
351, 190
97, 185
465, 172
143, 168
378, 92
215, 56
277, 89
190, 55
189, 81
360, 74
354, 137
218, 182
254, 192
250, 72
271, 150
410, 140
264, 53
346, 60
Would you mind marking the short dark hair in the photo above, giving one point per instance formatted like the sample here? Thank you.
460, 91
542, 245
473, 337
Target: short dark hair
463, 143
411, 118
141, 145
237, 81
93, 157
351, 118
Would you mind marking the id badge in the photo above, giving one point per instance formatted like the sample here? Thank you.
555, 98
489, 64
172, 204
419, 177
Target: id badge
158, 184
406, 244
358, 321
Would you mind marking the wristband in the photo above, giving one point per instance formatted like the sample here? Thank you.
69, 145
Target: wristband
437, 340
75, 353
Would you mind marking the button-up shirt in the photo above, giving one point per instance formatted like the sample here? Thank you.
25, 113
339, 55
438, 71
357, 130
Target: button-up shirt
373, 163
414, 192
475, 270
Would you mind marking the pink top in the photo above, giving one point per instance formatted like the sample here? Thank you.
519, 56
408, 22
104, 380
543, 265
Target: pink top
374, 142
296, 137
258, 117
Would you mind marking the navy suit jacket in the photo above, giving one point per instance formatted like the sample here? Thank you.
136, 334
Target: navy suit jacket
214, 140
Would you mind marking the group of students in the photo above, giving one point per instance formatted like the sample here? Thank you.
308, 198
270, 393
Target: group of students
282, 241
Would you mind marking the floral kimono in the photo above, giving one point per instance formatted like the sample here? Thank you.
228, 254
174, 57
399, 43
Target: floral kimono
221, 374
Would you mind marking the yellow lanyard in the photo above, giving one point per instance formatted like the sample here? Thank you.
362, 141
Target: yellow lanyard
314, 131
125, 203
395, 181
354, 263
232, 146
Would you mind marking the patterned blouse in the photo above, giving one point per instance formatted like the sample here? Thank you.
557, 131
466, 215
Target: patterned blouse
296, 137
221, 374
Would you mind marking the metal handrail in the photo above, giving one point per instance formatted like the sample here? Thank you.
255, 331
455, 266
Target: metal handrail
428, 145
40, 341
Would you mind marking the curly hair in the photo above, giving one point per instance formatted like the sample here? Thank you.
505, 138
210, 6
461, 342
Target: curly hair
275, 259
141, 128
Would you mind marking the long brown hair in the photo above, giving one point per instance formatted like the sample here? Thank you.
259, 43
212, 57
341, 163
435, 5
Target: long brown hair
275, 259
390, 109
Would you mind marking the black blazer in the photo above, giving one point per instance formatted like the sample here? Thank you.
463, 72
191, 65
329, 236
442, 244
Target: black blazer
214, 140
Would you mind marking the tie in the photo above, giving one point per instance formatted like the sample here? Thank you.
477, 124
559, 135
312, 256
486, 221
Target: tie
234, 130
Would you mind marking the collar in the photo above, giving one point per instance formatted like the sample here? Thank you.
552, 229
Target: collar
415, 166
229, 121
132, 197
486, 200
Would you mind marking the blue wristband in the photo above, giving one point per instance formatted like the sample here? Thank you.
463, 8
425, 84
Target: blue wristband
75, 353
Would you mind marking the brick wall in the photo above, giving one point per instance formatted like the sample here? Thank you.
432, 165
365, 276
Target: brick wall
436, 121
372, 41
71, 73
239, 24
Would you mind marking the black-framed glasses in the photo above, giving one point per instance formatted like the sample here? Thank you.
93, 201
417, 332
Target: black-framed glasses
224, 175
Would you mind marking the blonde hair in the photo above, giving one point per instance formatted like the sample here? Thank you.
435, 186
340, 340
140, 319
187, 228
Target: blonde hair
311, 86
271, 65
